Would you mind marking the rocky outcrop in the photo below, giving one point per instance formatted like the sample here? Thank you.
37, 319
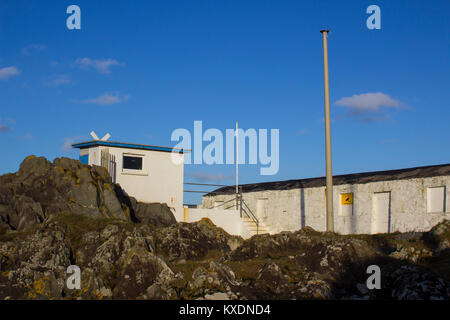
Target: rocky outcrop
123, 260
54, 215
41, 190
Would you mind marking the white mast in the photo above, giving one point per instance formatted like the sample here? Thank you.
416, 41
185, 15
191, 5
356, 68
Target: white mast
329, 177
237, 182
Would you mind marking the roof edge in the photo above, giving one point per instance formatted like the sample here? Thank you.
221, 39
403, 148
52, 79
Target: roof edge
91, 143
352, 178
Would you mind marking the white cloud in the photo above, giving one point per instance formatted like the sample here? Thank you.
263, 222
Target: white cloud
7, 72
67, 146
101, 65
4, 127
32, 47
370, 118
107, 99
58, 80
360, 103
208, 177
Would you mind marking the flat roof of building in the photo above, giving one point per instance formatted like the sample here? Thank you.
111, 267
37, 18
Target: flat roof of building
96, 143
355, 178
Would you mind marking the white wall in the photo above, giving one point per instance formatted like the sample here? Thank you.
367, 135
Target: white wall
161, 179
94, 155
229, 219
290, 210
282, 211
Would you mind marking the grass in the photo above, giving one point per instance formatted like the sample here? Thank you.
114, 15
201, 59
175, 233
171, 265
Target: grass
9, 235
188, 267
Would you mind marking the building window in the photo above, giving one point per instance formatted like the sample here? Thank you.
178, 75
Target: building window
436, 199
132, 162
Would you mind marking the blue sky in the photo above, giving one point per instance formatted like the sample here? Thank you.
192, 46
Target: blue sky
141, 69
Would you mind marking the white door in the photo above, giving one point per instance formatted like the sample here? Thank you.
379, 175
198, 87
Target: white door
381, 212
261, 208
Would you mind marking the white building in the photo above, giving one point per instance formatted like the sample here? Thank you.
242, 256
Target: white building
413, 199
148, 173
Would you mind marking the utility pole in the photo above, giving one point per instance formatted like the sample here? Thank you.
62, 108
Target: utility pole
329, 179
237, 184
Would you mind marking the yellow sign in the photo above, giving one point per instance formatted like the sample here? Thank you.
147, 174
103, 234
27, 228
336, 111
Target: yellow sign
346, 198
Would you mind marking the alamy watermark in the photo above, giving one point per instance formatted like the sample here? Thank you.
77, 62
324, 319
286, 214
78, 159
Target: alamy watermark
374, 280
74, 20
74, 280
374, 20
215, 152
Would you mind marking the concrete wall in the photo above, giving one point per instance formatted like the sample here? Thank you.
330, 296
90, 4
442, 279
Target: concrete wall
229, 220
289, 210
161, 180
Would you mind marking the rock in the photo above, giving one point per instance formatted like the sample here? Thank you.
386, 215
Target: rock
157, 214
270, 278
156, 292
34, 266
217, 296
53, 215
362, 288
414, 283
224, 273
191, 240
41, 190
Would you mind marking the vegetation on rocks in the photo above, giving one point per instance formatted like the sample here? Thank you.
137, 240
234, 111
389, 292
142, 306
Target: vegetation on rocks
53, 215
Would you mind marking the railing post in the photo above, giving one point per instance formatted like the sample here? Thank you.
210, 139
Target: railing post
240, 205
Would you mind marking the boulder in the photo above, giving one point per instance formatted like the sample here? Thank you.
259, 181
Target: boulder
41, 190
157, 214
183, 241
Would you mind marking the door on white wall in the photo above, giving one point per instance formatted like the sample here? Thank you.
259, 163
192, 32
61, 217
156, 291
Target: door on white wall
381, 212
261, 208
436, 199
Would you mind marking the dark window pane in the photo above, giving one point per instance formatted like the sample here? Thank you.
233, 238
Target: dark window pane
134, 163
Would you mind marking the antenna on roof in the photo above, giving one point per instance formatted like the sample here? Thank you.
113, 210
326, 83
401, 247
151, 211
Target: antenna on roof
93, 135
106, 136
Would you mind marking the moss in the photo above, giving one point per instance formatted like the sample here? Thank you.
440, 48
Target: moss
38, 289
9, 235
188, 267
248, 269
78, 225
29, 157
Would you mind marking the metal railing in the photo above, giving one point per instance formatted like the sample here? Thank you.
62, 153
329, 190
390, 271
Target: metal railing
223, 204
243, 209
238, 201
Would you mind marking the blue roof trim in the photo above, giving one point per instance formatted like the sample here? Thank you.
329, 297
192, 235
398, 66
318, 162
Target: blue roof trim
88, 144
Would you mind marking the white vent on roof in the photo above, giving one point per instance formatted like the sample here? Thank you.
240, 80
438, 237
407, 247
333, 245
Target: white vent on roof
106, 136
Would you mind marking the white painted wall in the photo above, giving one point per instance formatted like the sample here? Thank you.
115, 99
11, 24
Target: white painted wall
282, 210
161, 180
227, 219
290, 210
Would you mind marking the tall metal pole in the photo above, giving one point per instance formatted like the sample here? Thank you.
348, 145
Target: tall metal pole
237, 184
329, 179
